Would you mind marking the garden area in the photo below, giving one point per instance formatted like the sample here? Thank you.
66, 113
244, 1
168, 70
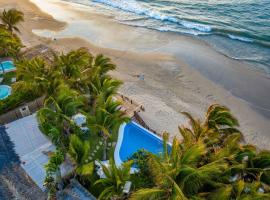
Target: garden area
211, 161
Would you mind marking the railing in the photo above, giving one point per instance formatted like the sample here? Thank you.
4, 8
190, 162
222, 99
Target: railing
140, 121
16, 114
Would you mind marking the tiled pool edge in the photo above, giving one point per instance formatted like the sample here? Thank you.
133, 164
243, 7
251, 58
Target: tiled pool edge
9, 91
117, 158
8, 70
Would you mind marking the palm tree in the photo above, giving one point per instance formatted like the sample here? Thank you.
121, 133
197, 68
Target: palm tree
37, 76
115, 180
221, 119
102, 65
11, 18
53, 173
10, 45
73, 64
107, 118
219, 123
79, 150
94, 79
102, 86
55, 117
180, 173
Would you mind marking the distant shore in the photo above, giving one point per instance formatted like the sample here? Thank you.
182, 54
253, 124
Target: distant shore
180, 73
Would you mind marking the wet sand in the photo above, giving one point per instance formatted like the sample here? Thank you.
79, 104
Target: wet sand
181, 74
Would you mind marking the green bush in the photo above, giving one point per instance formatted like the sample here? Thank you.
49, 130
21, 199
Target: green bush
15, 100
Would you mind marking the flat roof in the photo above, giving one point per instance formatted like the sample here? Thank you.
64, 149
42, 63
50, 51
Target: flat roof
31, 146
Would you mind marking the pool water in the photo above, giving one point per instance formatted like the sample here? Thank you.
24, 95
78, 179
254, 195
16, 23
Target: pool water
8, 66
136, 138
5, 91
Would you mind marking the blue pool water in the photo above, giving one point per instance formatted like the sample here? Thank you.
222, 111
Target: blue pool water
8, 66
4, 91
136, 138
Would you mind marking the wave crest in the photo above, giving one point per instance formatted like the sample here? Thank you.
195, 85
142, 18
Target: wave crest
243, 39
134, 7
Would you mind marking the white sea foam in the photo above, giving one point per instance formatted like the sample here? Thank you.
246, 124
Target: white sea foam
197, 26
135, 7
243, 39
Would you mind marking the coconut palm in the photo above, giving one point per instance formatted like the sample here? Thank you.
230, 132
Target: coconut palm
106, 86
37, 76
55, 117
181, 173
79, 150
10, 45
102, 86
106, 119
102, 65
115, 180
73, 64
11, 18
53, 173
219, 123
221, 119
240, 190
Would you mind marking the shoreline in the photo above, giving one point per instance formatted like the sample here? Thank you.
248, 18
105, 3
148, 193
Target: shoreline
173, 80
142, 40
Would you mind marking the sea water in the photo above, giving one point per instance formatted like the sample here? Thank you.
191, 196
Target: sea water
239, 29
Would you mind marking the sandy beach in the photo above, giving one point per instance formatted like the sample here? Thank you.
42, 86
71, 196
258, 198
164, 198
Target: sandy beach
181, 73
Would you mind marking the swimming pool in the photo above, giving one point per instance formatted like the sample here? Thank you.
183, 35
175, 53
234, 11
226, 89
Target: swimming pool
5, 91
8, 66
133, 137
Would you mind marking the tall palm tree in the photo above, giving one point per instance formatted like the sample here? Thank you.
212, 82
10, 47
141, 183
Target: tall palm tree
102, 65
11, 18
180, 174
106, 86
79, 150
107, 118
53, 173
73, 64
55, 117
10, 45
219, 123
221, 119
115, 180
37, 76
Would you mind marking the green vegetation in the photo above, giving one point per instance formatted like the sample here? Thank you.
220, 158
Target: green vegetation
8, 78
115, 180
11, 18
10, 44
210, 162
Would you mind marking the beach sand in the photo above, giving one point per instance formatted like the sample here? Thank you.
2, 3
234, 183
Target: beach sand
180, 73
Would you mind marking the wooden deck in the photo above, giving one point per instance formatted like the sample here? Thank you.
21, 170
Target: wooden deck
129, 106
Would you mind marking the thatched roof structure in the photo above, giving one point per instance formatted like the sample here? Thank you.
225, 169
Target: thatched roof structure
41, 51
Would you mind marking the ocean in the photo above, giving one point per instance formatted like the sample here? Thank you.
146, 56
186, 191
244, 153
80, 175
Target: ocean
239, 29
